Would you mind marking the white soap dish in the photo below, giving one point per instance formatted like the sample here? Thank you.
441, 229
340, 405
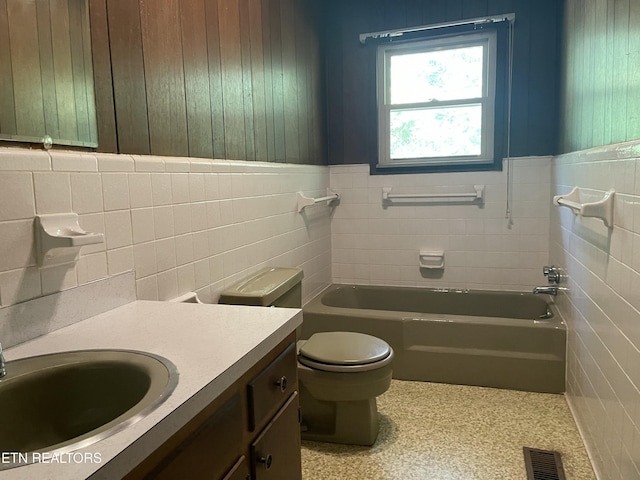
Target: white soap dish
432, 259
59, 238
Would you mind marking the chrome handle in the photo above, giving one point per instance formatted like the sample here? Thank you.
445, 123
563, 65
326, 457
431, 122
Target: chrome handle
282, 383
266, 461
552, 273
552, 290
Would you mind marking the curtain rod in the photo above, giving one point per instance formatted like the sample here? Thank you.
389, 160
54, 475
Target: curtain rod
510, 17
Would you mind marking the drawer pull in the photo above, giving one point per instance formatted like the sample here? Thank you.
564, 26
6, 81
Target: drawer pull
267, 461
282, 383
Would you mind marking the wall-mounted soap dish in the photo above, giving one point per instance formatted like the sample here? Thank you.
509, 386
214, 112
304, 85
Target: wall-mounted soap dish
432, 259
59, 238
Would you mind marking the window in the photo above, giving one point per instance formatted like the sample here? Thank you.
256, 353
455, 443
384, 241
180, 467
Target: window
437, 101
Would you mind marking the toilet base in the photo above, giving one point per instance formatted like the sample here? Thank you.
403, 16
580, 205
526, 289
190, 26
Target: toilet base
351, 423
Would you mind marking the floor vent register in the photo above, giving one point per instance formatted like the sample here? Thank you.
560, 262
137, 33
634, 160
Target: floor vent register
543, 464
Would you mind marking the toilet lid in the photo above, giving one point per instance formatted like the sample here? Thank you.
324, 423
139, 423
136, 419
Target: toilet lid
345, 348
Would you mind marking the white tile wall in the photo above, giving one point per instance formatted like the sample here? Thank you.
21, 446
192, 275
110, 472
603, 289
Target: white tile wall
374, 244
182, 224
602, 305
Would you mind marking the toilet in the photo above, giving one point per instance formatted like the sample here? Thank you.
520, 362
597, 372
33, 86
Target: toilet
340, 374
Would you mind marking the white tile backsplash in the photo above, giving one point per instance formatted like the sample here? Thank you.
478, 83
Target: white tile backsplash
91, 267
73, 162
16, 196
24, 160
161, 189
196, 187
52, 191
163, 218
118, 230
58, 278
184, 250
167, 285
166, 254
143, 225
17, 244
108, 162
180, 187
115, 191
147, 288
163, 221
120, 260
182, 218
140, 190
86, 193
199, 216
148, 164
195, 224
176, 164
19, 285
379, 243
602, 305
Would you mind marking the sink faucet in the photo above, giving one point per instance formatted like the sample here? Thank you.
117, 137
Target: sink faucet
550, 290
3, 370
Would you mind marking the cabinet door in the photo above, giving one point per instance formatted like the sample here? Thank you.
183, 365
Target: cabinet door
271, 387
275, 454
210, 452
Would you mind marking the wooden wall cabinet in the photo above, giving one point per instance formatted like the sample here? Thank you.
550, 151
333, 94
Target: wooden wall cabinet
250, 432
232, 79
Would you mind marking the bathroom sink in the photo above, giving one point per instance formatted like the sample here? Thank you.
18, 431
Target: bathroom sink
65, 401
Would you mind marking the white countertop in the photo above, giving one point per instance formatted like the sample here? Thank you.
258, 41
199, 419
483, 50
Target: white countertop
211, 346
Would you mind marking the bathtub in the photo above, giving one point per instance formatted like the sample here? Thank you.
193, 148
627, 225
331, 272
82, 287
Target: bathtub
470, 337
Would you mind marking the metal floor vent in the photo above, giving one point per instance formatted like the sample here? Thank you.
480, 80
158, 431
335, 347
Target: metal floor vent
543, 464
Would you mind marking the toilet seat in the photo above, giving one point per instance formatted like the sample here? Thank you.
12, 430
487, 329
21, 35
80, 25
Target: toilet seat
344, 352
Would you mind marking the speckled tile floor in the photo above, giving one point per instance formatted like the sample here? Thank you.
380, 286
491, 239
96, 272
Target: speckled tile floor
431, 431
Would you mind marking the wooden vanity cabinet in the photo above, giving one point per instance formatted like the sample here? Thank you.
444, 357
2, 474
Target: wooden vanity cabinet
273, 456
250, 431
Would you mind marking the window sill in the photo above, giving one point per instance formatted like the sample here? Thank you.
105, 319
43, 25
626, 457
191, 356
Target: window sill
377, 169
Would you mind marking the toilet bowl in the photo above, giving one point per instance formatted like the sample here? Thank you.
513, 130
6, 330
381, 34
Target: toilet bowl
340, 374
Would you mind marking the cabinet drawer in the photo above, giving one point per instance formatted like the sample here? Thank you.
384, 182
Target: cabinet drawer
275, 454
210, 452
271, 387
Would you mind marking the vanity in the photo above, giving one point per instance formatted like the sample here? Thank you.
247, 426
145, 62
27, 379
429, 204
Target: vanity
251, 431
233, 414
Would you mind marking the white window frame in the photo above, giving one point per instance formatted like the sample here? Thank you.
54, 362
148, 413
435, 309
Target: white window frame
486, 38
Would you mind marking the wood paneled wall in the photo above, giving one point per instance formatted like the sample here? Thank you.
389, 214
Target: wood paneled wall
46, 84
234, 79
601, 73
352, 121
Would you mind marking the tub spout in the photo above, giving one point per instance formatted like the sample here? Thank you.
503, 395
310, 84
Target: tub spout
551, 290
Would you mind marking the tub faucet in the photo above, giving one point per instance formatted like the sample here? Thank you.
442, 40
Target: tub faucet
3, 370
550, 290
